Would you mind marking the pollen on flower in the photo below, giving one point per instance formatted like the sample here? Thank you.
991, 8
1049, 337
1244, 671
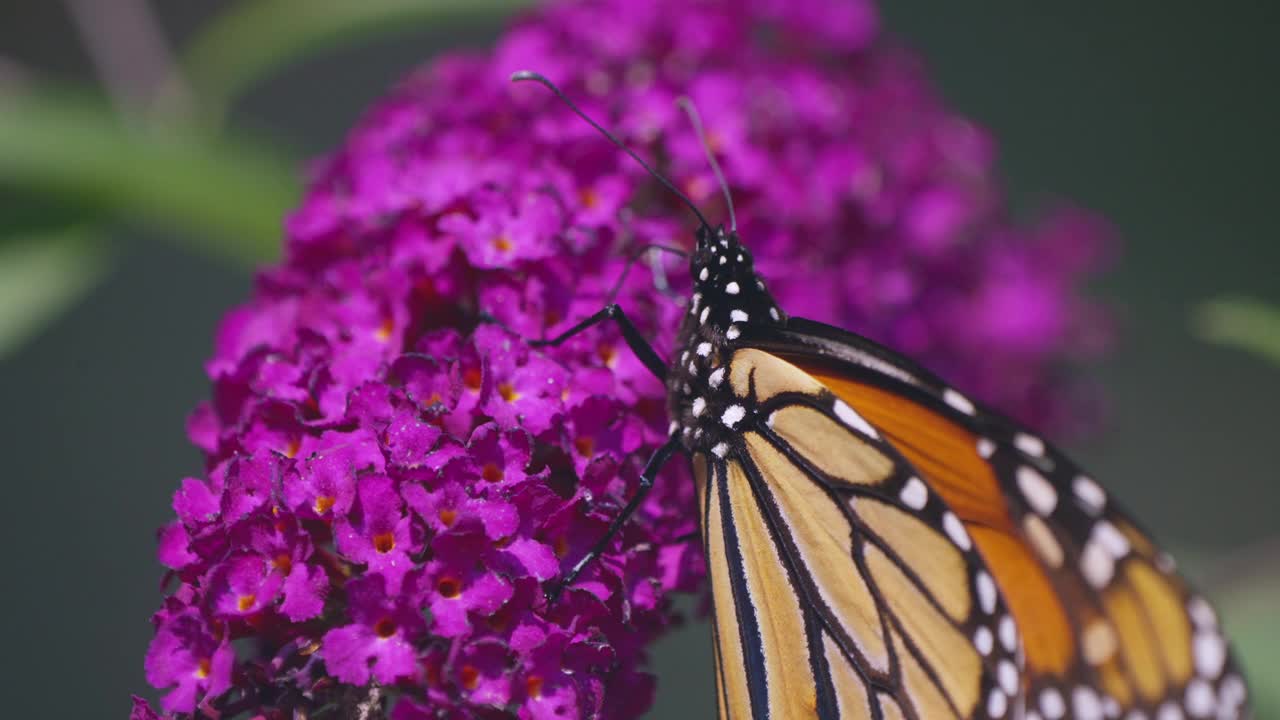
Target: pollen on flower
384, 542
203, 668
447, 516
585, 445
323, 503
282, 562
383, 332
508, 392
245, 602
492, 473
588, 198
502, 243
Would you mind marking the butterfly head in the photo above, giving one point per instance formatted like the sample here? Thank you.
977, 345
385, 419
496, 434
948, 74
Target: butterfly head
727, 290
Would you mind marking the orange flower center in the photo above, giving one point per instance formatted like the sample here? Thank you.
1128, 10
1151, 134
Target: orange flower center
588, 197
449, 587
608, 354
507, 392
283, 563
383, 333
385, 628
244, 602
447, 516
503, 243
203, 668
470, 676
533, 684
471, 378
323, 503
585, 445
384, 542
491, 472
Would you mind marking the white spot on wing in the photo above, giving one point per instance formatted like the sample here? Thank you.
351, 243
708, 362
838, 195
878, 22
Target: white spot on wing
1202, 613
1086, 704
986, 448
732, 288
733, 332
1111, 539
1029, 444
1008, 676
955, 530
720, 450
983, 640
1097, 565
1037, 490
958, 401
914, 494
1051, 704
1089, 493
853, 419
1200, 701
997, 703
986, 588
1008, 633
1210, 654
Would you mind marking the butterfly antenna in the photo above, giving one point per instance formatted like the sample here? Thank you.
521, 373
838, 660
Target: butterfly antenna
696, 120
524, 75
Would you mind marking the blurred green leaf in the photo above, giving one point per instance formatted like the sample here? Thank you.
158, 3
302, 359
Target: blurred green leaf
1251, 614
254, 38
41, 276
1247, 324
227, 196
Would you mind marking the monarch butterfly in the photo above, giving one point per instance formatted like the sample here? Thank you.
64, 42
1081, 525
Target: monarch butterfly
882, 546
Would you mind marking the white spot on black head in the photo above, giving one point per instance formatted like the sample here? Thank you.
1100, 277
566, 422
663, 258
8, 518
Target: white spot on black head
732, 288
716, 377
704, 274
733, 415
773, 313
703, 317
733, 332
704, 349
723, 260
720, 450
699, 404
738, 316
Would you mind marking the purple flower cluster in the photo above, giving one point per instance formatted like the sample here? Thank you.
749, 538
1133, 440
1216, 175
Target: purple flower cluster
392, 484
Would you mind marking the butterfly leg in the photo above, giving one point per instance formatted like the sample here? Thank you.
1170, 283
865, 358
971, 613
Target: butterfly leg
630, 334
647, 476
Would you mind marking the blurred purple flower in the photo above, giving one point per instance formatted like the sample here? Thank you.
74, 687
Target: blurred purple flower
391, 486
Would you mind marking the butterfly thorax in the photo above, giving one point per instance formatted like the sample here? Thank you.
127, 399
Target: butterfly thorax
728, 296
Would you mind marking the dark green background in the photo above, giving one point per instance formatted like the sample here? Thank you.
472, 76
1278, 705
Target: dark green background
1161, 116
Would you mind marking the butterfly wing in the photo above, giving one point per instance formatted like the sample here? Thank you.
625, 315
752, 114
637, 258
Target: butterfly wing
843, 586
1109, 628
